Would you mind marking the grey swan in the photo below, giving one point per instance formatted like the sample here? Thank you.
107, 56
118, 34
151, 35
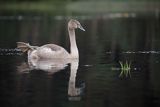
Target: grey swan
51, 51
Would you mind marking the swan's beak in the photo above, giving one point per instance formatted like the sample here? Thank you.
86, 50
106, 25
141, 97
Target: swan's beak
80, 27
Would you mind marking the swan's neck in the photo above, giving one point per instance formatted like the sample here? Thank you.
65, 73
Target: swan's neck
73, 46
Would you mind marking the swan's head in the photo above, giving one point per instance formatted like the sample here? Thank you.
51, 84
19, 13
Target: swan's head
74, 24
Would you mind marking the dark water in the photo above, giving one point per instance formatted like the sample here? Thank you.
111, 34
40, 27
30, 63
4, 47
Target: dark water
96, 78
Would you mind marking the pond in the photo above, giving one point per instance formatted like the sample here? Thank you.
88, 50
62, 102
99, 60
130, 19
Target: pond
97, 79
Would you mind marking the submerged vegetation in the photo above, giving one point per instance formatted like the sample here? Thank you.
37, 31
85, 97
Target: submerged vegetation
125, 69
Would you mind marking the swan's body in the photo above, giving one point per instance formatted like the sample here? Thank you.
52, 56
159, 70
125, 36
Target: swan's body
50, 51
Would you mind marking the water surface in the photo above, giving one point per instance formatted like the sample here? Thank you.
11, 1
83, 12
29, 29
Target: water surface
107, 41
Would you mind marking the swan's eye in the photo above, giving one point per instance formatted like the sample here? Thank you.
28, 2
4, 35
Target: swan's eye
78, 25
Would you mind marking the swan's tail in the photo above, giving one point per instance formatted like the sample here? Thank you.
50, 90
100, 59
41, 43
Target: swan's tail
24, 46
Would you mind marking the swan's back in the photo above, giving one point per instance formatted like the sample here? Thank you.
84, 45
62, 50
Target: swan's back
52, 51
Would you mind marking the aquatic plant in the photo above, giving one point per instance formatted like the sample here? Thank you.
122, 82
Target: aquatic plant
125, 69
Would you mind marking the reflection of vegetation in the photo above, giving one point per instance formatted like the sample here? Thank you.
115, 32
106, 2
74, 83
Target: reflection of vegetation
125, 69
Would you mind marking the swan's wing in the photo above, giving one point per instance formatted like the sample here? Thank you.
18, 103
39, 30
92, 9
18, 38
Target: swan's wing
52, 51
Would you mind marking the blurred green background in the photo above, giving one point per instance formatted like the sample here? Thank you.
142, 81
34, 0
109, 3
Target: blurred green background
80, 6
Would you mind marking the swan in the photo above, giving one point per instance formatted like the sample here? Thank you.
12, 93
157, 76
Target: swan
51, 51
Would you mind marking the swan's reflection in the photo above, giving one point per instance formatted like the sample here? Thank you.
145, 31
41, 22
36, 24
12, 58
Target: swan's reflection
74, 92
53, 66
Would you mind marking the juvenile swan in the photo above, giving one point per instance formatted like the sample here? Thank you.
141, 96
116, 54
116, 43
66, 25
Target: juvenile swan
50, 51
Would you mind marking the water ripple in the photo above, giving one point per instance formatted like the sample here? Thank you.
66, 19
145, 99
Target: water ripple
136, 52
10, 51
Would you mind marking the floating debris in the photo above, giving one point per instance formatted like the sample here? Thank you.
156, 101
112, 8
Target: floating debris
88, 65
